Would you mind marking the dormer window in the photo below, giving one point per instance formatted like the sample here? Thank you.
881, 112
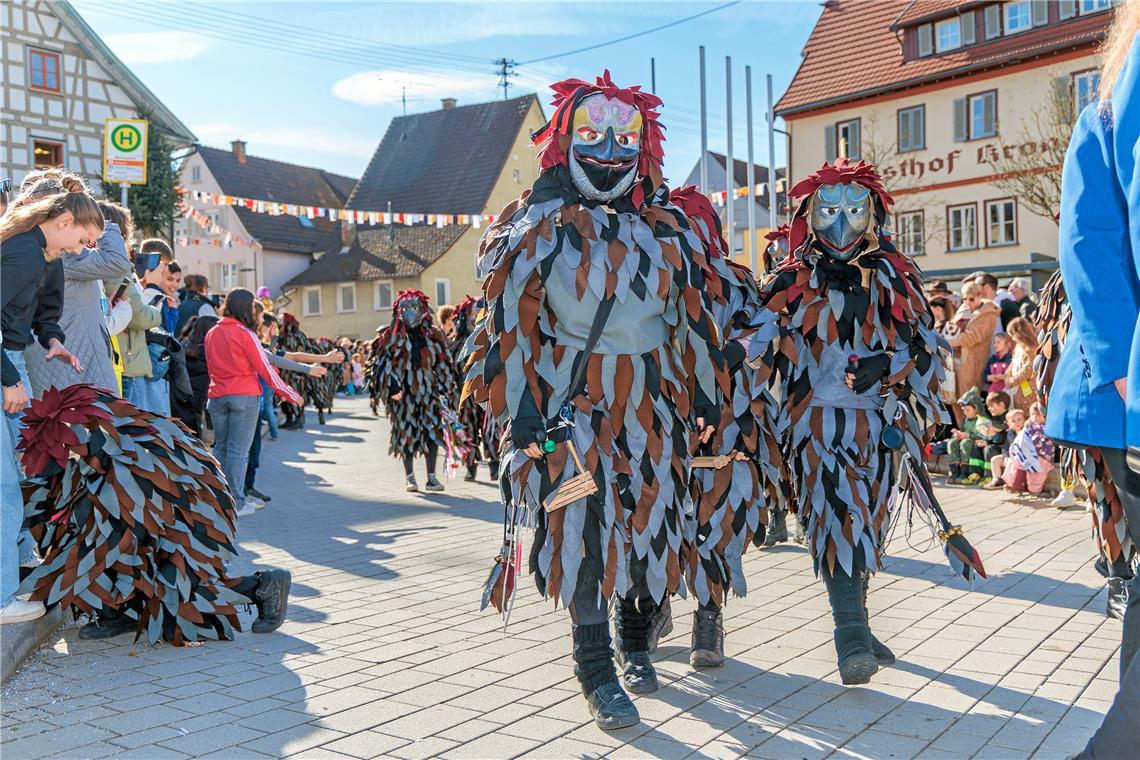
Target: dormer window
948, 35
1018, 17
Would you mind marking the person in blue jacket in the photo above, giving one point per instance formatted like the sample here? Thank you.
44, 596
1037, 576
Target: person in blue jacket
1099, 245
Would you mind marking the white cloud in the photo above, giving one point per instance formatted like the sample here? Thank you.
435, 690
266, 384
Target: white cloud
157, 47
386, 87
307, 140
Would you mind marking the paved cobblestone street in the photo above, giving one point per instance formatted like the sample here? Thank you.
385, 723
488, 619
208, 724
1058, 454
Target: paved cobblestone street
386, 654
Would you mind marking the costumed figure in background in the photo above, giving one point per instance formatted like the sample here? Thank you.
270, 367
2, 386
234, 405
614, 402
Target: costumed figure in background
1116, 552
322, 390
292, 339
481, 428
735, 476
412, 374
599, 349
135, 523
846, 343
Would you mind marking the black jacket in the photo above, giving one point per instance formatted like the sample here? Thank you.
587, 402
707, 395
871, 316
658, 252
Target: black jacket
32, 294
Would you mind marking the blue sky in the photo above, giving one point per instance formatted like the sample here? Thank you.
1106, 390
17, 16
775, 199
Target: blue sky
317, 84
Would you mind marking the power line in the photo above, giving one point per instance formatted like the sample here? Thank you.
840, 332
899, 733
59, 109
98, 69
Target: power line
632, 36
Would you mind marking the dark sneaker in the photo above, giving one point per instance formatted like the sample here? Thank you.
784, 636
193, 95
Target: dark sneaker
777, 532
708, 639
611, 707
661, 625
412, 486
470, 476
1117, 597
257, 495
107, 627
271, 599
433, 485
637, 672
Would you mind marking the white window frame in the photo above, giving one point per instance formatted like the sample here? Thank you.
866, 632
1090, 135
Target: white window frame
195, 174
340, 289
229, 273
952, 28
376, 301
961, 228
1090, 80
845, 127
1095, 6
1012, 12
1008, 236
980, 98
446, 283
909, 113
909, 240
305, 310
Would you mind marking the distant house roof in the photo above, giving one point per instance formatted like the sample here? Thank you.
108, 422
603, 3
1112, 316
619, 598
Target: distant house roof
865, 32
120, 74
740, 175
374, 255
442, 162
266, 179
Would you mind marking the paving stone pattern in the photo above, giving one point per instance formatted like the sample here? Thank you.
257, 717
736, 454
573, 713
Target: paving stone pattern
385, 653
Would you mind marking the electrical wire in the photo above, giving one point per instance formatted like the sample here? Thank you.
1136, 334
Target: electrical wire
631, 36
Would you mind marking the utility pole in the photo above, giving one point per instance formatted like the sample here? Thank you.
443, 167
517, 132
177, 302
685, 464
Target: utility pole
704, 130
505, 71
729, 163
751, 171
404, 98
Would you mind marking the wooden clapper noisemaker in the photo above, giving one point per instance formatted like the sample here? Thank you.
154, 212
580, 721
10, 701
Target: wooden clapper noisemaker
578, 487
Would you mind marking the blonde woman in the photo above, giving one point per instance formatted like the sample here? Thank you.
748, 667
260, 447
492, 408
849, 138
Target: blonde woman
1020, 380
30, 235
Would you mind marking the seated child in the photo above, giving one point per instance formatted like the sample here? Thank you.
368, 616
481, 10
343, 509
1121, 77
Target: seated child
993, 376
966, 465
1030, 455
995, 436
1015, 419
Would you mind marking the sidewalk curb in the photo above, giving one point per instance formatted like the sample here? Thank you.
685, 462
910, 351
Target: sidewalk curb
19, 640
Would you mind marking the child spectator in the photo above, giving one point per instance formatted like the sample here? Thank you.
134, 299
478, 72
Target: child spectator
1030, 457
993, 376
966, 465
358, 372
1020, 379
995, 433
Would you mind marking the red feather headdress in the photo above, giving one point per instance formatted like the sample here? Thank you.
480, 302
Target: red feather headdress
554, 136
697, 207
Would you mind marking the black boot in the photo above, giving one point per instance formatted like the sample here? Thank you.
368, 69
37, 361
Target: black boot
594, 667
662, 624
494, 467
472, 470
631, 639
883, 655
708, 638
857, 662
1117, 597
777, 532
321, 416
106, 625
271, 597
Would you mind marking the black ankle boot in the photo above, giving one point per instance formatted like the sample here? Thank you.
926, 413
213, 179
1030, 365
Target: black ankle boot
857, 663
271, 597
472, 470
594, 667
1117, 597
883, 655
321, 416
662, 624
494, 467
707, 649
777, 532
631, 639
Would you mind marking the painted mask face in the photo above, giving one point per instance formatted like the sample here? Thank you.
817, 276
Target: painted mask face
604, 147
412, 313
840, 215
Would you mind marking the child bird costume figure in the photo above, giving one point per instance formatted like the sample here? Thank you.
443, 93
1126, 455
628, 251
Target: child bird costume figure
412, 374
846, 343
599, 349
480, 427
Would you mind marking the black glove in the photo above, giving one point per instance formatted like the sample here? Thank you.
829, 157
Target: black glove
704, 407
734, 356
527, 430
870, 371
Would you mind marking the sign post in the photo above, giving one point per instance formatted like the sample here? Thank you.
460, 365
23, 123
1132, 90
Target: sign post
124, 153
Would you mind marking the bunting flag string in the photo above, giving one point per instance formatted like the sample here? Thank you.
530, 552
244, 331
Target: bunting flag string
759, 190
224, 239
274, 208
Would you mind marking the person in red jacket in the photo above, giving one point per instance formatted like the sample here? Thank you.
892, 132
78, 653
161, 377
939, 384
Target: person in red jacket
236, 361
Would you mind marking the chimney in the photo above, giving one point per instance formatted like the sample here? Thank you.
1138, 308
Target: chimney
448, 103
238, 147
347, 235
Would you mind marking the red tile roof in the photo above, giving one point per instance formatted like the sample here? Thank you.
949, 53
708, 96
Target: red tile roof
852, 52
925, 10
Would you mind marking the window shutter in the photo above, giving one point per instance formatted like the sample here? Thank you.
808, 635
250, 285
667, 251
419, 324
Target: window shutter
855, 148
918, 128
989, 114
993, 21
1068, 9
960, 133
216, 277
925, 40
829, 142
1063, 98
905, 138
969, 30
1040, 12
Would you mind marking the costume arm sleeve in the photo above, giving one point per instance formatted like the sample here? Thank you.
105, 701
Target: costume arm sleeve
285, 363
107, 261
259, 360
49, 305
1095, 251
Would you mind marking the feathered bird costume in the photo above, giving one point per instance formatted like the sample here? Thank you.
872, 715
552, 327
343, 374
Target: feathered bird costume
481, 428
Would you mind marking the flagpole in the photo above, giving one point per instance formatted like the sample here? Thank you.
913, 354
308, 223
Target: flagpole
704, 130
751, 171
729, 164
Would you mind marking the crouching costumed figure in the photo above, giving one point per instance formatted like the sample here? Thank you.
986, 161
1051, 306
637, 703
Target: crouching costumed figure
599, 349
845, 342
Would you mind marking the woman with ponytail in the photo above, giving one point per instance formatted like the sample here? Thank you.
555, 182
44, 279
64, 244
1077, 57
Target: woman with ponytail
32, 233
